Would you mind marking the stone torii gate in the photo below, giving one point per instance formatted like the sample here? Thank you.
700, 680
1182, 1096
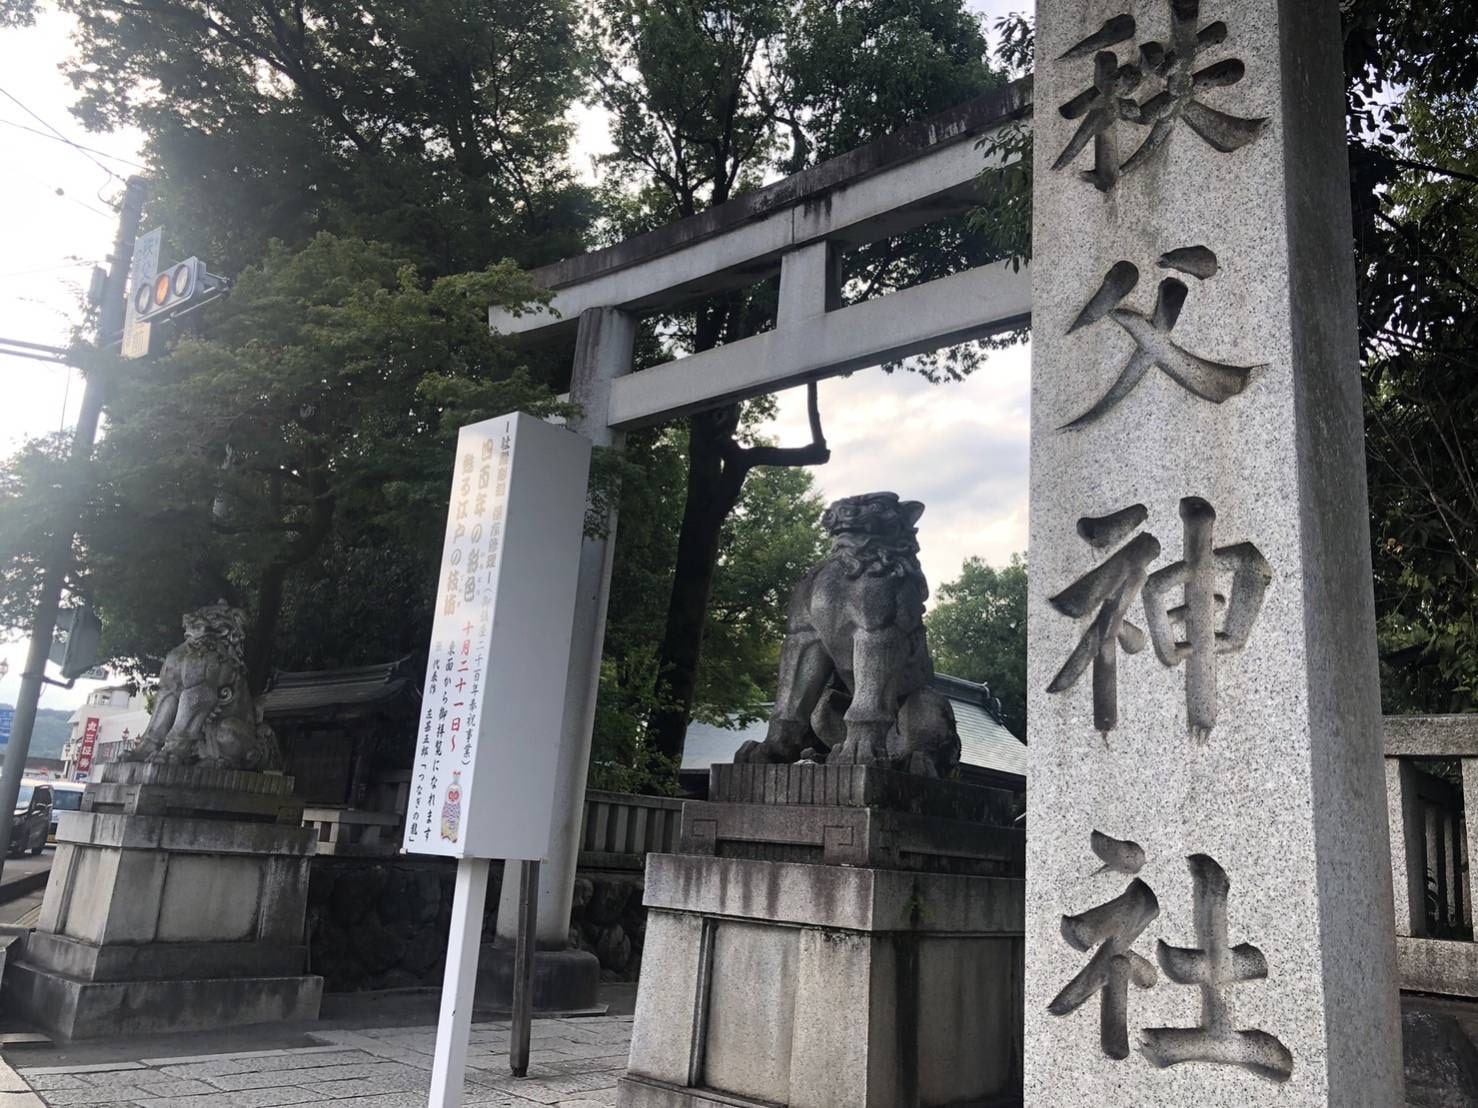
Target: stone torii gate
797, 227
1209, 911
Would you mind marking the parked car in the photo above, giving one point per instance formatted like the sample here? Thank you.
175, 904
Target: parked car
32, 818
66, 796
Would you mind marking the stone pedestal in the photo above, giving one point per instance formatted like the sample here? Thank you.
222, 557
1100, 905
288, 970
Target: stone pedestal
176, 903
565, 981
834, 937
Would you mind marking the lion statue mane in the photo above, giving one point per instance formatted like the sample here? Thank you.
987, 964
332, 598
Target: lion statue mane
855, 670
204, 713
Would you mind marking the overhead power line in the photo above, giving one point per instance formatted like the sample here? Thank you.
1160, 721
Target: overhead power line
40, 351
62, 138
75, 145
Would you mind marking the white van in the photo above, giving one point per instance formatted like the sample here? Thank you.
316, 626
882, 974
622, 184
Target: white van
66, 797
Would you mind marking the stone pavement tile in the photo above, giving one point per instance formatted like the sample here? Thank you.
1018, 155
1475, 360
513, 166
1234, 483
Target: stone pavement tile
186, 1058
103, 1067
275, 1062
380, 1051
587, 1050
246, 1098
175, 1087
10, 1081
310, 1077
43, 1081
493, 1098
111, 1094
369, 1086
545, 1089
384, 1100
529, 1089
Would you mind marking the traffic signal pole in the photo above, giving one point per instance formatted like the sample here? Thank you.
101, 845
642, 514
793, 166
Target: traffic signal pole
54, 564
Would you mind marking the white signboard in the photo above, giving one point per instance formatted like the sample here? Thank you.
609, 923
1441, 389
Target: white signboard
142, 272
493, 701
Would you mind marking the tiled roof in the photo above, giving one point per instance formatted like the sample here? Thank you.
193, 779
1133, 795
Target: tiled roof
299, 693
984, 741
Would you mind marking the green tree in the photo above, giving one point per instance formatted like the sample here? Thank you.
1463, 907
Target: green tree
294, 442
436, 126
292, 457
772, 537
1414, 158
706, 101
977, 630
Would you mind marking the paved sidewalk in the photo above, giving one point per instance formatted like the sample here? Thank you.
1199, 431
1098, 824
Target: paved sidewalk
575, 1064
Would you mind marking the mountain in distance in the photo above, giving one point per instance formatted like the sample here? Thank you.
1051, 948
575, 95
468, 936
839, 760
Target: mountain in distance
50, 734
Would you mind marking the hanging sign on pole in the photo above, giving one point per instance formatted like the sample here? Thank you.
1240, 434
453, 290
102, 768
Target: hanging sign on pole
487, 741
140, 275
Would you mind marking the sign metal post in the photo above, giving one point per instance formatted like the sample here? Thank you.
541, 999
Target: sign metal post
523, 968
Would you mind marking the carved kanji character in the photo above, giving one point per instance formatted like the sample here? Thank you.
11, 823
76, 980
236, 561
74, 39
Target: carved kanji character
1102, 106
1171, 64
1214, 965
1175, 63
1109, 589
1153, 346
1112, 927
1187, 632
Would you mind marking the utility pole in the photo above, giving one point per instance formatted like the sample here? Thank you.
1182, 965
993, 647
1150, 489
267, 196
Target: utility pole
54, 565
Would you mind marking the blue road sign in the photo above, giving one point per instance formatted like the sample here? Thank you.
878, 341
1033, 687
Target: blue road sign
6, 716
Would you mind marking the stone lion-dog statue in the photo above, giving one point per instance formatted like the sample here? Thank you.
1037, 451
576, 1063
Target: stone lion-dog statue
204, 713
855, 666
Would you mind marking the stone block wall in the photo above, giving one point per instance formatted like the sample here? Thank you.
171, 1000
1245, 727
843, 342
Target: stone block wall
381, 923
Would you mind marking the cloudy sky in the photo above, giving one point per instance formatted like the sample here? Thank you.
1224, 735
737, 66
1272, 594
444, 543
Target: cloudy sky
961, 448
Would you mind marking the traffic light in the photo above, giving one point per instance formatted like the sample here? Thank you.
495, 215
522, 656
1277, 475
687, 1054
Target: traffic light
179, 288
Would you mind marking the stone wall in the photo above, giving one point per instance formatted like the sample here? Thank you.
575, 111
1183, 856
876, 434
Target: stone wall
382, 923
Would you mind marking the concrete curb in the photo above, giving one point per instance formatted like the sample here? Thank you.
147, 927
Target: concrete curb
23, 886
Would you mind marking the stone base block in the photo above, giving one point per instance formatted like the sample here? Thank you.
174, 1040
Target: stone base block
162, 961
194, 792
1438, 966
72, 1009
860, 787
564, 980
154, 923
813, 986
641, 1092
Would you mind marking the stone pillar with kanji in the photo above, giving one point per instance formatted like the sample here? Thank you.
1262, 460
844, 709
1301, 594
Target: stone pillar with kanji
1208, 872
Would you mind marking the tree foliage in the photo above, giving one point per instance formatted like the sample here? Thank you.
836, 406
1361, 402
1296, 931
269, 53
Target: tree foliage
292, 457
435, 125
1413, 100
709, 101
977, 630
769, 541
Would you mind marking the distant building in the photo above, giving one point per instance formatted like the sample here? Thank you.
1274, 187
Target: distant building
121, 716
989, 753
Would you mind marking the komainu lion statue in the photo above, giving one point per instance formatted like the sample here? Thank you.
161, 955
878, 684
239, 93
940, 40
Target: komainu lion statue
204, 713
855, 666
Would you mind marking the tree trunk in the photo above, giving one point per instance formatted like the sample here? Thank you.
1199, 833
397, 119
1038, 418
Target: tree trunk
713, 489
264, 628
717, 467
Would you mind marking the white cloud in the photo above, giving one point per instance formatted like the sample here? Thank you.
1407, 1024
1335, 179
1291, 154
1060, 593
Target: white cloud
961, 448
